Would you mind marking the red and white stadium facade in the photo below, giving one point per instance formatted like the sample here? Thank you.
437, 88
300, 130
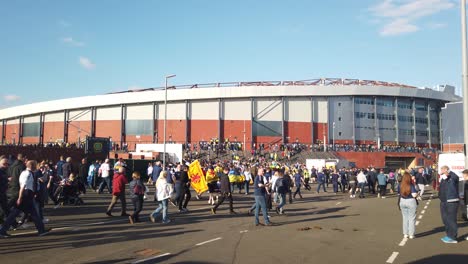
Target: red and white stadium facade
363, 112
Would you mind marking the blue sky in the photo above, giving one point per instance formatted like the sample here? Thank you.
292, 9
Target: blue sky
59, 49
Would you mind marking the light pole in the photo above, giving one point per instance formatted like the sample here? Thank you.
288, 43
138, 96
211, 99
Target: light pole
465, 79
165, 119
333, 136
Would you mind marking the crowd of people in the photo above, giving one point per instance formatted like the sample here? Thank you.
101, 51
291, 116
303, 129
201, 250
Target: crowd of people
31, 185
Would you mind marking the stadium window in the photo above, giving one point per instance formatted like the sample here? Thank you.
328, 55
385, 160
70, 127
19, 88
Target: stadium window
339, 104
339, 134
339, 118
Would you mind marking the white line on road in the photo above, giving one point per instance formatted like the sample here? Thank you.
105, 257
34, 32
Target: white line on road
403, 242
423, 211
338, 203
147, 259
244, 231
417, 223
208, 241
420, 217
425, 207
392, 257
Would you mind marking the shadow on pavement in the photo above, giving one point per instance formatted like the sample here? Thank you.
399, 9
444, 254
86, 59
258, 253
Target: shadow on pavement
446, 258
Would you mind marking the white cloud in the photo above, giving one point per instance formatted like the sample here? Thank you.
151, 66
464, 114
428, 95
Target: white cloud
72, 42
437, 25
398, 27
86, 63
401, 15
11, 98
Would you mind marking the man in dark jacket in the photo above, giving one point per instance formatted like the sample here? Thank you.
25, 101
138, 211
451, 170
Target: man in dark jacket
82, 175
185, 194
14, 171
4, 210
67, 168
449, 202
225, 191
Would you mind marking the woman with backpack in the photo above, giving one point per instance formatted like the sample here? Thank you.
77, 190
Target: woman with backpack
137, 192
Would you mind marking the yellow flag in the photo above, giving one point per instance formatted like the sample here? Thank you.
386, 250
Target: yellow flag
197, 178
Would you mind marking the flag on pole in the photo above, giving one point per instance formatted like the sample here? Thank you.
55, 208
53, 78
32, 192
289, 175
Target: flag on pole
197, 178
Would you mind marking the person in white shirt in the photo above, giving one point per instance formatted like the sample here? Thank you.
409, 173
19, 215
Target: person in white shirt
248, 177
25, 201
362, 180
104, 173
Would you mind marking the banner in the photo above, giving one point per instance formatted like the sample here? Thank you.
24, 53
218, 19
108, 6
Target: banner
197, 178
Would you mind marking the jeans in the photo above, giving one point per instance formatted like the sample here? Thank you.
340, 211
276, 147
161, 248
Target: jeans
178, 190
392, 185
27, 207
421, 189
383, 190
121, 197
106, 181
260, 203
4, 210
361, 186
408, 211
137, 207
298, 191
162, 207
448, 211
221, 200
282, 198
321, 184
246, 184
335, 187
90, 180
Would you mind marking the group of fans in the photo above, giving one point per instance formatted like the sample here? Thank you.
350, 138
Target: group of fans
31, 185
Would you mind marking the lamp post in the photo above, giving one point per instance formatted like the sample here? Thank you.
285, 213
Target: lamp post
333, 136
465, 79
165, 119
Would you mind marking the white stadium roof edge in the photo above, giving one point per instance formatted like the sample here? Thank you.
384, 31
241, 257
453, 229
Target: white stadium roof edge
236, 90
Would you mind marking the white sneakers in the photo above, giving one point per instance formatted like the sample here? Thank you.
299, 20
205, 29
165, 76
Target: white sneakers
410, 237
405, 236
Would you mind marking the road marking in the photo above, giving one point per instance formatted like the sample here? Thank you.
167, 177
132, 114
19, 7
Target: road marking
425, 207
417, 222
392, 257
244, 231
147, 259
420, 217
208, 241
338, 203
423, 211
403, 242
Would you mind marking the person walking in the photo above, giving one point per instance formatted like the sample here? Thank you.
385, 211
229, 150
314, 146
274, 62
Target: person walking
298, 181
281, 190
260, 201
25, 202
185, 195
407, 203
334, 179
321, 181
449, 202
225, 190
104, 173
164, 191
137, 192
118, 192
362, 180
4, 210
382, 180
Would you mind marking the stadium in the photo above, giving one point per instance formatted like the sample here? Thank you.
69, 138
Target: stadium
317, 111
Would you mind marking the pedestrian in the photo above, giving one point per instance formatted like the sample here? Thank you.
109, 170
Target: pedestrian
321, 181
104, 173
361, 180
225, 190
334, 179
260, 201
118, 192
408, 205
212, 182
4, 210
382, 180
25, 202
421, 181
248, 178
298, 181
164, 191
185, 194
465, 195
281, 187
449, 202
137, 192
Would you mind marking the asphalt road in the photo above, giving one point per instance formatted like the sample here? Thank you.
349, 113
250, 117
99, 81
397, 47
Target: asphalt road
321, 228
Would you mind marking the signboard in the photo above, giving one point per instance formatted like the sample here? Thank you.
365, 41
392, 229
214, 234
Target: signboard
455, 161
97, 145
